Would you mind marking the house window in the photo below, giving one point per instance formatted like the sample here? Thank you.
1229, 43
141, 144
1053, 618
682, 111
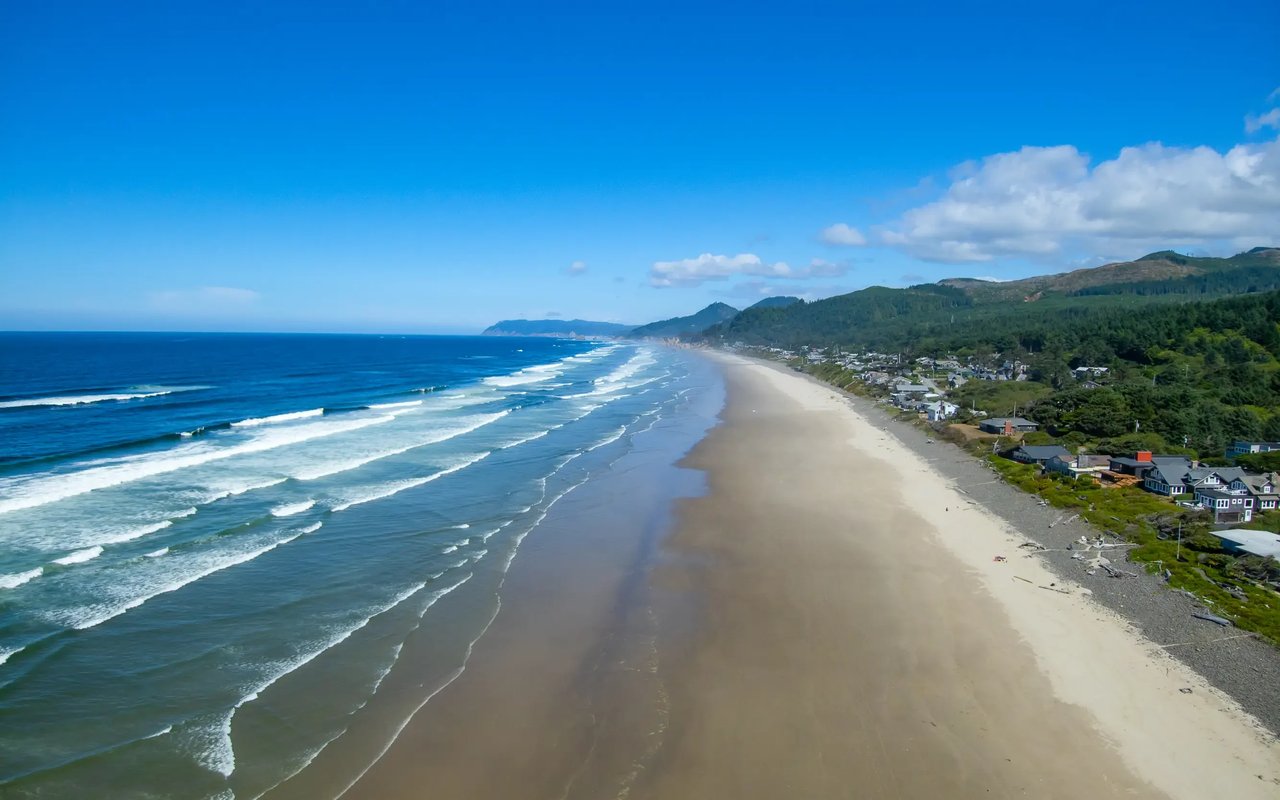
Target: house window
1222, 504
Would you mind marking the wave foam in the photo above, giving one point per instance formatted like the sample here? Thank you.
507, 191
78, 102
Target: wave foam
135, 533
5, 655
389, 406
254, 422
82, 399
132, 595
32, 491
469, 424
80, 556
395, 487
14, 580
289, 509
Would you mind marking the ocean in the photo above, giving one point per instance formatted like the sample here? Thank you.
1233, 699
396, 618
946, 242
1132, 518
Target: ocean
214, 548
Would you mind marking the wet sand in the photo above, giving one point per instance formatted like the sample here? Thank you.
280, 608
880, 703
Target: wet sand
826, 621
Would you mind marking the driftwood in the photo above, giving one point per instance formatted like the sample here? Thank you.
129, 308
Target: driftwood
1223, 621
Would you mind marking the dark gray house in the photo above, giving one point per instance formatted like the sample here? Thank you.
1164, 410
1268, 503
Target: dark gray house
1007, 425
1039, 453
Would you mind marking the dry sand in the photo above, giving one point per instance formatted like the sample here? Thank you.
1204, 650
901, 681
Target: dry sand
829, 623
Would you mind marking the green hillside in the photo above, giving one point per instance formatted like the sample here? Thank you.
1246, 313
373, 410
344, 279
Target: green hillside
691, 325
929, 316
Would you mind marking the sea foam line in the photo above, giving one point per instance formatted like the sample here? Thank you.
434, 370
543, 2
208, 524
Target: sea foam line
40, 490
111, 612
14, 580
82, 399
395, 487
470, 424
470, 647
289, 509
5, 655
395, 658
80, 556
254, 422
391, 406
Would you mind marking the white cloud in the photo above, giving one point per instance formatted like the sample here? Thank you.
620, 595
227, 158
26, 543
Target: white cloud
576, 268
204, 299
708, 267
842, 235
1040, 201
1256, 122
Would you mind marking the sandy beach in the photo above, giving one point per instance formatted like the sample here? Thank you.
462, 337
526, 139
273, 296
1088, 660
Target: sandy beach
826, 620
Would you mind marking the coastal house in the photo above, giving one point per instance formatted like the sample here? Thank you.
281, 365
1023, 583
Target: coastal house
1227, 507
1078, 466
1166, 475
939, 410
1248, 448
1007, 425
1038, 454
1174, 477
1254, 543
1265, 490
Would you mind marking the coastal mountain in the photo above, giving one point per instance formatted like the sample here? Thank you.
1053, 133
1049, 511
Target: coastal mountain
686, 326
781, 301
555, 327
880, 316
1163, 272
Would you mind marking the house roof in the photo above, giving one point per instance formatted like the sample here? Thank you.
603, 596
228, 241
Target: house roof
1043, 452
1227, 474
1015, 421
1258, 543
1257, 483
1170, 472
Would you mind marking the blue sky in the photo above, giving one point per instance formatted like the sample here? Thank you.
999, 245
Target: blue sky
411, 167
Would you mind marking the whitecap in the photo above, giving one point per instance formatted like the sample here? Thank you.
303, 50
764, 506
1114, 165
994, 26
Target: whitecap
80, 556
14, 580
254, 422
82, 399
395, 487
289, 509
389, 406
37, 490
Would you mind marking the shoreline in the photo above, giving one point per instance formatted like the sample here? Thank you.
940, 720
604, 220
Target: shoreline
967, 677
1244, 667
823, 620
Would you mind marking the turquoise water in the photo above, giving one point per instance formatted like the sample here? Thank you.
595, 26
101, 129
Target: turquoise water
213, 549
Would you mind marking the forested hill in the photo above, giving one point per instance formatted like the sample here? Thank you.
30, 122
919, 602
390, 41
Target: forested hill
691, 325
1164, 272
921, 316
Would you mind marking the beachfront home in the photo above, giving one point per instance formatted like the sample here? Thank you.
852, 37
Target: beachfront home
1265, 489
1247, 448
1254, 543
1166, 476
1228, 505
1007, 425
1078, 466
939, 410
1175, 476
1038, 454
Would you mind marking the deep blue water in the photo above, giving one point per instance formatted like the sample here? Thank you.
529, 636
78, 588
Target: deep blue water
213, 547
